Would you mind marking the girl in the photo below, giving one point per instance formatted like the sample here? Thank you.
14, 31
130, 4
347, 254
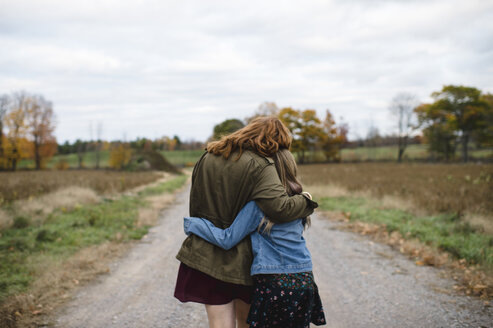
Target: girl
285, 293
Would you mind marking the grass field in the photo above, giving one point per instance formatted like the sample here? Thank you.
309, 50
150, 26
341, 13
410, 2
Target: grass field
389, 153
386, 153
25, 184
440, 188
72, 160
442, 231
47, 257
179, 158
187, 158
183, 157
445, 206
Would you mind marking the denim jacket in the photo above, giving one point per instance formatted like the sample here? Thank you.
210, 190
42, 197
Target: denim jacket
282, 250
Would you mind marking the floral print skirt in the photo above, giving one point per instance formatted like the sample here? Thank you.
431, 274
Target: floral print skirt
285, 300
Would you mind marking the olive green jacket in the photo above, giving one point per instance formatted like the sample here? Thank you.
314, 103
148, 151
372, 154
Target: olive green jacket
220, 189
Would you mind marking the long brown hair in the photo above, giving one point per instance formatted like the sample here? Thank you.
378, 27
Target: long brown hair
265, 135
287, 171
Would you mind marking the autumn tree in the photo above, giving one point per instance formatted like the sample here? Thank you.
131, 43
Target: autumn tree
333, 138
402, 109
483, 136
170, 143
292, 120
4, 105
178, 142
226, 127
120, 155
464, 111
438, 130
309, 133
40, 120
15, 121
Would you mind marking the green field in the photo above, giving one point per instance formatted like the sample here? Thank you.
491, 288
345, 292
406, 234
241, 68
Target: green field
389, 153
178, 157
65, 232
188, 158
183, 157
446, 232
383, 153
72, 160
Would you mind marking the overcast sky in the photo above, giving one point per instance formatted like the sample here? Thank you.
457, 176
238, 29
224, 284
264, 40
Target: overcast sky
154, 67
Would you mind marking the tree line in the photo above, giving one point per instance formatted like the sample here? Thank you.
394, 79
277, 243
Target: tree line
119, 149
27, 124
458, 117
311, 135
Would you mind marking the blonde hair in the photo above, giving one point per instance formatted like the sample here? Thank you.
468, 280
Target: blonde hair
287, 171
265, 135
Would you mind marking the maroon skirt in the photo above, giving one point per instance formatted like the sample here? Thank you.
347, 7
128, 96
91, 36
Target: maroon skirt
195, 286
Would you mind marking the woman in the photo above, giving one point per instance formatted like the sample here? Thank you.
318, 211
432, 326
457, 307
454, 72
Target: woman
232, 172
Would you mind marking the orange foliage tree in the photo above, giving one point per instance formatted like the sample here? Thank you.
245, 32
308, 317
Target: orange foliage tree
333, 138
29, 121
310, 134
120, 156
41, 125
16, 147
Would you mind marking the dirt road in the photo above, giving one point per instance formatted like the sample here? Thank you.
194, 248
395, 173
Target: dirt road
362, 284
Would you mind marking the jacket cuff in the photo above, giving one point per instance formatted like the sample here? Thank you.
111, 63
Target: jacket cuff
310, 202
186, 225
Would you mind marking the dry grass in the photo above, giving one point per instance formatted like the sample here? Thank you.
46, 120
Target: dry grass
148, 216
57, 278
66, 198
161, 177
5, 219
25, 184
394, 202
331, 190
56, 283
424, 191
481, 222
431, 187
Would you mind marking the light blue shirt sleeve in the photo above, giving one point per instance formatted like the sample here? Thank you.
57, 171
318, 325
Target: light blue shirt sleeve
245, 223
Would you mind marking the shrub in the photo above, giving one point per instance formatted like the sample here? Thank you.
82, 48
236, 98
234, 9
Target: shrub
62, 164
21, 222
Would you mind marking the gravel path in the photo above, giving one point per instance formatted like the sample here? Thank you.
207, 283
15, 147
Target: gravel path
362, 284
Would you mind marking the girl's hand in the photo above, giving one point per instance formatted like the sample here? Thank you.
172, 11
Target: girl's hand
307, 195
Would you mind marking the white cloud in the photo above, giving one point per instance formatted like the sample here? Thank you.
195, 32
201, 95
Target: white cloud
149, 66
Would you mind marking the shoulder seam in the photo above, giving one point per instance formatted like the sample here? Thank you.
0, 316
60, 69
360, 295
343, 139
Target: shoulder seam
255, 157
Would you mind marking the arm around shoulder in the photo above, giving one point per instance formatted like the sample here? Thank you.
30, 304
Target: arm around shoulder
273, 200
